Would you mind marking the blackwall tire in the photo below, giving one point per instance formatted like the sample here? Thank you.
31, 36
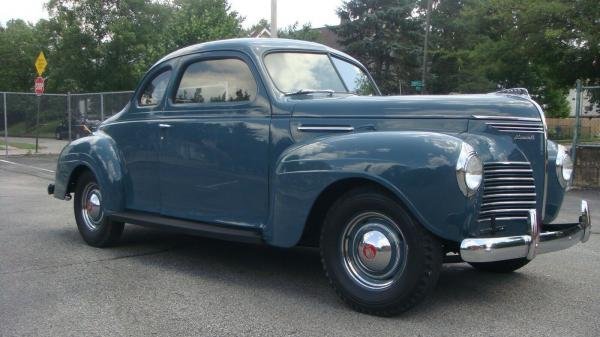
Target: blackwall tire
379, 260
93, 225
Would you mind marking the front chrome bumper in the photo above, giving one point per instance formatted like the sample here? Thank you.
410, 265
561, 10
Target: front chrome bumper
557, 237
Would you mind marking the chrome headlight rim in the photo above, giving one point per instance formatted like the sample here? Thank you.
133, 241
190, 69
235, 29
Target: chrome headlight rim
564, 167
469, 165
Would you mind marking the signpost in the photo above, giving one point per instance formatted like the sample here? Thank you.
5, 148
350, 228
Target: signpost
40, 66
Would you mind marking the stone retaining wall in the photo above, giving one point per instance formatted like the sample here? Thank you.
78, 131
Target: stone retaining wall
587, 167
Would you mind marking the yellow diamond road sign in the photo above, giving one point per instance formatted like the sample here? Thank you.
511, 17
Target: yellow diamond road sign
40, 63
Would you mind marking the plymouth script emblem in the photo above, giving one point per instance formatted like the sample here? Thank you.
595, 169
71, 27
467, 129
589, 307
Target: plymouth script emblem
523, 137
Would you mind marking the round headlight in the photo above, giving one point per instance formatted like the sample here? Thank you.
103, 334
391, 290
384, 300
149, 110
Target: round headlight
469, 170
474, 172
564, 166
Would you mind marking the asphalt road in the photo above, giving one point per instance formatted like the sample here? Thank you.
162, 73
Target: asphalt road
157, 283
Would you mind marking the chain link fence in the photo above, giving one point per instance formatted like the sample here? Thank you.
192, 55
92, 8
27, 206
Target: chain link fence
35, 124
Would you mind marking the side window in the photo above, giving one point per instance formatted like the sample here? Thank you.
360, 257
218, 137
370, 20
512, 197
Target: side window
355, 79
155, 89
213, 81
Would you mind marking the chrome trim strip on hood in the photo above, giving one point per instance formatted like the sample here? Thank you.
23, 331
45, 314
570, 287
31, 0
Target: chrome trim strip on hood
510, 118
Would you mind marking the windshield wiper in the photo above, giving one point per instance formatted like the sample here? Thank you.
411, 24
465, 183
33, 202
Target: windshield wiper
310, 91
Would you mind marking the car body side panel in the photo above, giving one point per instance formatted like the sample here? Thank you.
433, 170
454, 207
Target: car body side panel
412, 165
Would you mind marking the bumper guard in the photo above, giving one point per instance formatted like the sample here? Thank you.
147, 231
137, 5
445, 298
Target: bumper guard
557, 237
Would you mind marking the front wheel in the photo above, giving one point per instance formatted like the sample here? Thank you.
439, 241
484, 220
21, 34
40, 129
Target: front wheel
377, 257
93, 225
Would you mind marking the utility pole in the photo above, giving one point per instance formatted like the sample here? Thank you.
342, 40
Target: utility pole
427, 25
273, 18
577, 120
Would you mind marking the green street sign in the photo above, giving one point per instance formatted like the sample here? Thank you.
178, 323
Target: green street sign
416, 84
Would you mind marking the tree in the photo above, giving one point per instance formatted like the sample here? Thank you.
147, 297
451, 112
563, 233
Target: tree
486, 45
109, 44
306, 33
196, 21
103, 45
19, 47
385, 36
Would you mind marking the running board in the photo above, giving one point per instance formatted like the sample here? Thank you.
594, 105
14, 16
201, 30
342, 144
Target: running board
222, 232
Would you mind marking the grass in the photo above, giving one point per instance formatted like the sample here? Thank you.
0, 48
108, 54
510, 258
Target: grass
19, 145
22, 130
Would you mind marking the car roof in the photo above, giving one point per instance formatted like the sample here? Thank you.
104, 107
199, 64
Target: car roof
257, 46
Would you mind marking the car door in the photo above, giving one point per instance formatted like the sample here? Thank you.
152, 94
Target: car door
136, 135
215, 142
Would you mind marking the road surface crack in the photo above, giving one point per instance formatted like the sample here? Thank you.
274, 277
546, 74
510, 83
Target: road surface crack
58, 266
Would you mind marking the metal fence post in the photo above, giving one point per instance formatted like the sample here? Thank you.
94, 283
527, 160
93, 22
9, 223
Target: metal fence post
5, 127
69, 113
102, 107
577, 121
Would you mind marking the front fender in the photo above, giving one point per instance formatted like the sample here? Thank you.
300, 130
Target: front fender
418, 167
99, 154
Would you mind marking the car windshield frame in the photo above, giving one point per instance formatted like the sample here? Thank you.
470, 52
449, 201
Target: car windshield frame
329, 56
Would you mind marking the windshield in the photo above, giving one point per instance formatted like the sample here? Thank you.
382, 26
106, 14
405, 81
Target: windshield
304, 72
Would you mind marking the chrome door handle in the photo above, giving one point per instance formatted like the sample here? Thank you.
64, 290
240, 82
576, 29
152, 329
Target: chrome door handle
164, 126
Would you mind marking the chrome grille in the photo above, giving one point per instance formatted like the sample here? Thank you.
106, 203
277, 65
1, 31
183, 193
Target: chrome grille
517, 126
508, 191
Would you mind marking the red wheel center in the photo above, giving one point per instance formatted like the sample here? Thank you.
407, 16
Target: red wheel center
369, 251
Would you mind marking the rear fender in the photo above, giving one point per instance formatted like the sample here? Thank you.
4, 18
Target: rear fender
97, 153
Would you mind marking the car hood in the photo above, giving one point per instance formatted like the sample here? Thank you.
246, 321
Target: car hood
449, 106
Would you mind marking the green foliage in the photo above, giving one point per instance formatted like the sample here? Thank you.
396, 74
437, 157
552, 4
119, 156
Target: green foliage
306, 33
475, 45
386, 36
196, 21
107, 45
478, 45
19, 47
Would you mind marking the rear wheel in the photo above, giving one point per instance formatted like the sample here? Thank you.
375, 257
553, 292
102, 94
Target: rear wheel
93, 225
500, 266
378, 259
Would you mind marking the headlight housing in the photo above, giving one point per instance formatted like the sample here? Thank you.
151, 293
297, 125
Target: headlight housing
564, 166
469, 170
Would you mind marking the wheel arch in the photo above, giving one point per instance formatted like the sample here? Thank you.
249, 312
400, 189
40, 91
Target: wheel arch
326, 199
76, 174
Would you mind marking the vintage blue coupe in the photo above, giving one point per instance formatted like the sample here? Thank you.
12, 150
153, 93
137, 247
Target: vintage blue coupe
289, 143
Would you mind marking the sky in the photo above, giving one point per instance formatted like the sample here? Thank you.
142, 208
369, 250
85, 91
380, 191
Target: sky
317, 12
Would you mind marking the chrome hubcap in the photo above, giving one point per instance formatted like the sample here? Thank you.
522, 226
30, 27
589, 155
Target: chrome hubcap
373, 250
91, 208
